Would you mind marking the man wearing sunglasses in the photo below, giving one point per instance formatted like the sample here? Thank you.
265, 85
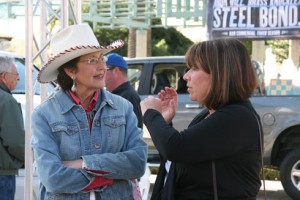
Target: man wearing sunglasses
12, 133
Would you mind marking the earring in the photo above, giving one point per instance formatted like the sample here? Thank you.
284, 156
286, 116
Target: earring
73, 88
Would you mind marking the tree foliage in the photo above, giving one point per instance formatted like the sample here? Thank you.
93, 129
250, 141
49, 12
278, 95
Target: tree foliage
169, 42
165, 42
248, 45
280, 48
106, 36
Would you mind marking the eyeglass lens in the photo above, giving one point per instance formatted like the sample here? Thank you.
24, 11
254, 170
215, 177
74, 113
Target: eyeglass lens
95, 61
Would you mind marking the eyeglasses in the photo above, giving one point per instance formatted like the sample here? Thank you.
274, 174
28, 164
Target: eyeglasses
95, 61
15, 74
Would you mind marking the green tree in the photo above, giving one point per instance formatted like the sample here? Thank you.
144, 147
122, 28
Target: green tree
169, 42
106, 36
165, 42
248, 45
280, 48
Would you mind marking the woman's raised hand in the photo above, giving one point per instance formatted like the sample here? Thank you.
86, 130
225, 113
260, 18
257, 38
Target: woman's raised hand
169, 99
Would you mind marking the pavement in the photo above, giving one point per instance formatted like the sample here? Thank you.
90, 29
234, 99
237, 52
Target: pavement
20, 186
274, 189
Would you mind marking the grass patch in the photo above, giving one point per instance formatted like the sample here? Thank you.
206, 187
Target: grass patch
271, 174
154, 170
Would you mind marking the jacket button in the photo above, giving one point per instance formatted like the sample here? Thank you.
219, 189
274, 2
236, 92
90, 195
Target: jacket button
97, 146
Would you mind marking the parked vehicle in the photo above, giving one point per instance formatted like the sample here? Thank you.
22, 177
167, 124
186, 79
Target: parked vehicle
279, 110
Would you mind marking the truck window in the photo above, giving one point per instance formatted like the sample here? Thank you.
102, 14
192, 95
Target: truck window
168, 74
134, 74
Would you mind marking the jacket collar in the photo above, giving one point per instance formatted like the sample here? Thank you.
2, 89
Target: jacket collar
123, 87
66, 102
5, 88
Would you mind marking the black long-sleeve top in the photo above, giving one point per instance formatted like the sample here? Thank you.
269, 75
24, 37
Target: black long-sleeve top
230, 137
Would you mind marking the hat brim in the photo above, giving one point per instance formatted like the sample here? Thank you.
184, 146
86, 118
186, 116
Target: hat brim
49, 71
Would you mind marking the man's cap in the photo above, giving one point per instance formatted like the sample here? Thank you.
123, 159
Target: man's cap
115, 60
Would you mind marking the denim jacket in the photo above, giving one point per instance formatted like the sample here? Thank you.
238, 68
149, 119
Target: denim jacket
60, 132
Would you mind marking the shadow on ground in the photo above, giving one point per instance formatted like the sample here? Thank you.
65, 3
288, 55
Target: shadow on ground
274, 191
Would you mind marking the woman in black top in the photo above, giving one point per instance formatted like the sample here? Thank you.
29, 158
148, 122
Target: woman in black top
222, 141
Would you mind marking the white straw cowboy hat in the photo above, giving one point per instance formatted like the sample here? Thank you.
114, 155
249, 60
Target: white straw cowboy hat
70, 43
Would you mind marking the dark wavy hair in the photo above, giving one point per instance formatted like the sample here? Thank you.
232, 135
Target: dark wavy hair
233, 78
63, 79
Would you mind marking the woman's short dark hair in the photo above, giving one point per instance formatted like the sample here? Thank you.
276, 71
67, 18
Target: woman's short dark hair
63, 79
233, 78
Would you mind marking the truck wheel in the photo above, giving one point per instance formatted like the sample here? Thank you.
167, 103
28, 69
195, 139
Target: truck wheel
290, 174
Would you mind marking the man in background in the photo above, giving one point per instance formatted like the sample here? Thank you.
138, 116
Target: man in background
117, 83
12, 133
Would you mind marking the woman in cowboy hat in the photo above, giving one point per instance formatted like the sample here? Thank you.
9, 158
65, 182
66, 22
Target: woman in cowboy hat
85, 140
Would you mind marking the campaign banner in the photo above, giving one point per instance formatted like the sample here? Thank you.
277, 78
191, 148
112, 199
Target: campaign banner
261, 19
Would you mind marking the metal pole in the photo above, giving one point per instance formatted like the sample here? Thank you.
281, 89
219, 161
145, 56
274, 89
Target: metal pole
43, 42
77, 13
28, 191
64, 13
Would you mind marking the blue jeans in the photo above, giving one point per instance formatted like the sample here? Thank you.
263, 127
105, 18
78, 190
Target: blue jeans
7, 187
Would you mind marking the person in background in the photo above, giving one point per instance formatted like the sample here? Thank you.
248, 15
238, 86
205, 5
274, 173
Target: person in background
117, 83
218, 156
85, 140
12, 132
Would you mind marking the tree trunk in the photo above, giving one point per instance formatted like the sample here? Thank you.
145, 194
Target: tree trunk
132, 38
131, 43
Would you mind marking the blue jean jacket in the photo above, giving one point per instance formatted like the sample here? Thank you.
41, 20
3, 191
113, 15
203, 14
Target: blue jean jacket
60, 132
